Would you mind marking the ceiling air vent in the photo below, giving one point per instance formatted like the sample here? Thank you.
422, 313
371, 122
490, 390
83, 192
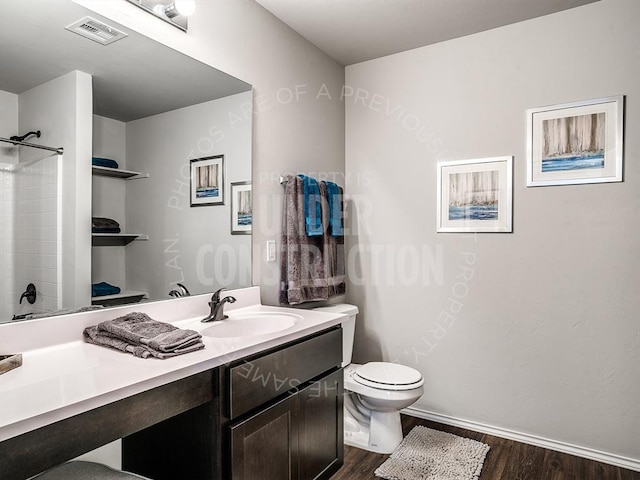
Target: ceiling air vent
97, 31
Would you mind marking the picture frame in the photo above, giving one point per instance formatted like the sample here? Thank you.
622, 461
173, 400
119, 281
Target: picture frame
475, 195
575, 143
241, 208
207, 181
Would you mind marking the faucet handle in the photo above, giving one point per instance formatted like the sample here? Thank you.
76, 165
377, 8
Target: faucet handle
215, 298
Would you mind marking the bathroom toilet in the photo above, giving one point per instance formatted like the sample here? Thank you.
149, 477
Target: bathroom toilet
374, 394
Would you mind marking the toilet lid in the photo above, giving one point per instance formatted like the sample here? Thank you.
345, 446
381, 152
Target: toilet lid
388, 376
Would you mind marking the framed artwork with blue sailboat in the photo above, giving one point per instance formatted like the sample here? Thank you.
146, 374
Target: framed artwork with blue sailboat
475, 195
207, 181
573, 143
241, 208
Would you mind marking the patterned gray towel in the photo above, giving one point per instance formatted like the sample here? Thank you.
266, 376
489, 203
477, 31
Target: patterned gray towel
100, 337
140, 329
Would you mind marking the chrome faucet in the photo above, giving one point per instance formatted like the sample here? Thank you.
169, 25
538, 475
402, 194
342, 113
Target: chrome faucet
179, 291
217, 306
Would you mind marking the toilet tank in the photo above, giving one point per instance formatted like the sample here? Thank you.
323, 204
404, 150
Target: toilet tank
348, 327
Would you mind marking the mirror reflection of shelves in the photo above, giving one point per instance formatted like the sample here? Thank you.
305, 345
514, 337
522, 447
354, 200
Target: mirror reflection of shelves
115, 239
122, 298
110, 184
117, 173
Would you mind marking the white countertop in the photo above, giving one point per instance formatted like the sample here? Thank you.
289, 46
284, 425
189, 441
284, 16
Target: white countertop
62, 376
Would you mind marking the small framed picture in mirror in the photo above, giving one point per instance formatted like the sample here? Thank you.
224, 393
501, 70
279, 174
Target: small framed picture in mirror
207, 181
241, 208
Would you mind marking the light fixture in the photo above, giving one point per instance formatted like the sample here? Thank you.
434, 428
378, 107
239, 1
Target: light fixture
174, 12
179, 7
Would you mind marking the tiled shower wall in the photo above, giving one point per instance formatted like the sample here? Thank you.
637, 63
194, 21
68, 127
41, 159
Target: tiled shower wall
37, 235
7, 284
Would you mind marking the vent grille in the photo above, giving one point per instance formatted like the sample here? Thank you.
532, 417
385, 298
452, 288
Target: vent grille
97, 31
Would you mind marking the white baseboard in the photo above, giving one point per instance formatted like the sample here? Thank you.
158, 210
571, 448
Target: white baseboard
604, 457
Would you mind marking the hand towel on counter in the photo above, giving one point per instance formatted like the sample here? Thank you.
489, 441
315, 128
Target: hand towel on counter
103, 288
105, 339
104, 225
336, 209
139, 328
140, 335
104, 162
312, 206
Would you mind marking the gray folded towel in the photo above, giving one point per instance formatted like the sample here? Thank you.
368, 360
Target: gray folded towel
139, 328
105, 339
100, 337
140, 335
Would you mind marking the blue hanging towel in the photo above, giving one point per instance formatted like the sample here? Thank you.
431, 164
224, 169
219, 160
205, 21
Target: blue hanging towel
336, 223
312, 206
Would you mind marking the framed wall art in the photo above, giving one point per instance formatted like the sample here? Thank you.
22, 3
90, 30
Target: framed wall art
475, 195
241, 208
572, 143
207, 181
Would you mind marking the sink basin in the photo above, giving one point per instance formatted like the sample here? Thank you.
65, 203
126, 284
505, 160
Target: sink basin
251, 324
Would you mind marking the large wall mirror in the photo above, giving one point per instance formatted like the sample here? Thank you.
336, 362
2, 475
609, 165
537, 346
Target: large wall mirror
180, 133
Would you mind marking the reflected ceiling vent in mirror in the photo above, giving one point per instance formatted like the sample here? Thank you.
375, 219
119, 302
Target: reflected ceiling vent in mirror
97, 31
174, 12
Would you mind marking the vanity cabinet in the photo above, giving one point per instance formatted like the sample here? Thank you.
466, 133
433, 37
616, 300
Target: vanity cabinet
284, 417
276, 415
298, 437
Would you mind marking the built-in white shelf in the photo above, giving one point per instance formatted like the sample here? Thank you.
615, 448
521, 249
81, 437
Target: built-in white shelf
115, 239
122, 298
117, 173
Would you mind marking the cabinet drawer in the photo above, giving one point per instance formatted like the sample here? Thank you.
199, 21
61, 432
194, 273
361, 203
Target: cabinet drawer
257, 381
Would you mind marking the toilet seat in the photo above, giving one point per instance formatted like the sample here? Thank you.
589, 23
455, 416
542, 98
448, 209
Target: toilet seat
388, 376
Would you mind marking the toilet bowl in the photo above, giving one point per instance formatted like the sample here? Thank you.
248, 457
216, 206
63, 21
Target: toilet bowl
375, 392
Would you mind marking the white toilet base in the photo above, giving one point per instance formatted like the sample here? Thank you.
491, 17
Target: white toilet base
382, 435
385, 431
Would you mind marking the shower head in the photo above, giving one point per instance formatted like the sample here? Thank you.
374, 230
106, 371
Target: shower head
22, 138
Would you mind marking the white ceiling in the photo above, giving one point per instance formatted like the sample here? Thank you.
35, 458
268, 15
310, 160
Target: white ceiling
132, 78
353, 31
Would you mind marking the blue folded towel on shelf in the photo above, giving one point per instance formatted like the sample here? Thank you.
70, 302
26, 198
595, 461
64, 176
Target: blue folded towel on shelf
312, 206
104, 162
334, 194
103, 288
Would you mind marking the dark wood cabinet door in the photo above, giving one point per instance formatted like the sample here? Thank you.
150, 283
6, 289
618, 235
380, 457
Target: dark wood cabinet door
265, 446
319, 418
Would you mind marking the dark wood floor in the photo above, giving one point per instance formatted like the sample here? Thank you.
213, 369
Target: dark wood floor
507, 460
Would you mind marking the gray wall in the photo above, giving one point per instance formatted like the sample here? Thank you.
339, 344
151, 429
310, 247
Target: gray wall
298, 118
544, 337
188, 245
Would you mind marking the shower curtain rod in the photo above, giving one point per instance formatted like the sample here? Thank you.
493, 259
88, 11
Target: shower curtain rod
59, 150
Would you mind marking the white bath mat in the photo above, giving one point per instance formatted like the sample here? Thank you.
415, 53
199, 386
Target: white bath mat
427, 454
